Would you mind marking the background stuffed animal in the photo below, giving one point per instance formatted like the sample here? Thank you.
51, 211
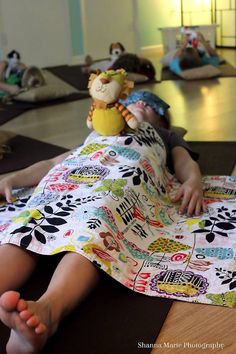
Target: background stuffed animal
107, 115
13, 59
116, 50
191, 36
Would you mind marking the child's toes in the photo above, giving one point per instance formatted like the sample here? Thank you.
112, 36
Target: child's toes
33, 321
21, 305
40, 329
25, 314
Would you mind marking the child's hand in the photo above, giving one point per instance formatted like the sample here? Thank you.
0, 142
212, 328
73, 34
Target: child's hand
184, 43
192, 197
6, 189
200, 37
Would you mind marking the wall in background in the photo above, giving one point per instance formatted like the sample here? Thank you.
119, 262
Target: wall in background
225, 16
39, 30
196, 12
107, 21
76, 27
153, 14
1, 33
54, 32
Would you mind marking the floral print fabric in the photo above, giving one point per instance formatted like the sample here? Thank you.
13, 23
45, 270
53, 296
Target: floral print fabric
110, 202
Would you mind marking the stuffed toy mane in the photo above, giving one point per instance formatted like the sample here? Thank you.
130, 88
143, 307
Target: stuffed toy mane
107, 115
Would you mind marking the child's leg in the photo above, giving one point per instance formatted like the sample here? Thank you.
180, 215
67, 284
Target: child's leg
16, 265
75, 274
33, 322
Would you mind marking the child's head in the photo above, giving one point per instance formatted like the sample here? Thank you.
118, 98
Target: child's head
148, 107
189, 58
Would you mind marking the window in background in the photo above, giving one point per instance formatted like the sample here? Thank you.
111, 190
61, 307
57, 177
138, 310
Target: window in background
225, 16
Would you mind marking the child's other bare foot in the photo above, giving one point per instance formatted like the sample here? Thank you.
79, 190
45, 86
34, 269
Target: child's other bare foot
29, 323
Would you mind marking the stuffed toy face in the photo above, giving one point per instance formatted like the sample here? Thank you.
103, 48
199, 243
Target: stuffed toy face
191, 36
13, 58
115, 50
108, 85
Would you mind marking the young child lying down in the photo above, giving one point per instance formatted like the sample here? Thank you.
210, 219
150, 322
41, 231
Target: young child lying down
111, 204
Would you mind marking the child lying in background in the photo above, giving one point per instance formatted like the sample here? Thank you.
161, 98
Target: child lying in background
11, 72
191, 56
15, 76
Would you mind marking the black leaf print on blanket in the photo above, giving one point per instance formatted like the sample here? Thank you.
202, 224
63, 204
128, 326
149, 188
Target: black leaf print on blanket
144, 137
41, 222
218, 225
18, 204
56, 221
22, 229
79, 201
48, 209
49, 228
228, 276
137, 173
62, 213
40, 237
25, 241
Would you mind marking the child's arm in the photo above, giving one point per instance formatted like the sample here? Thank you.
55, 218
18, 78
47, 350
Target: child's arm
188, 173
127, 115
182, 47
211, 51
29, 176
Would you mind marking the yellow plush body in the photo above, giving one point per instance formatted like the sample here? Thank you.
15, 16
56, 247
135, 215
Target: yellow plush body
107, 115
108, 121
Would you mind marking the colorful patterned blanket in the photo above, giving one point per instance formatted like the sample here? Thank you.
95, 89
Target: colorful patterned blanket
110, 202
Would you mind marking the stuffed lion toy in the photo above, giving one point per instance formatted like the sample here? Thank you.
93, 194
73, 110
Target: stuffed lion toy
107, 116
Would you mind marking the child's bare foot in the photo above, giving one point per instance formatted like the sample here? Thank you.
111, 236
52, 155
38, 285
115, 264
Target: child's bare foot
29, 332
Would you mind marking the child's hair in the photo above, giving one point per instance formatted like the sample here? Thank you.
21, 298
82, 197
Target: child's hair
189, 59
152, 100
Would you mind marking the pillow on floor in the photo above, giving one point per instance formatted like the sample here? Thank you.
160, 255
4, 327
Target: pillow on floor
202, 72
53, 89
